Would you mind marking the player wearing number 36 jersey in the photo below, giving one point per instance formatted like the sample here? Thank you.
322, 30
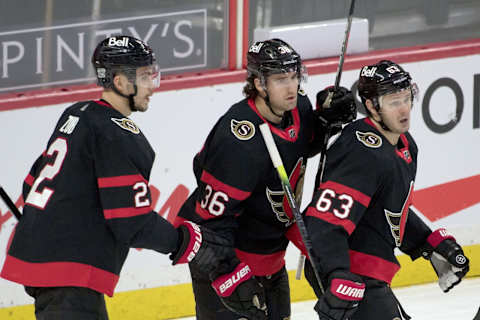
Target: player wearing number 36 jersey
87, 199
239, 194
360, 211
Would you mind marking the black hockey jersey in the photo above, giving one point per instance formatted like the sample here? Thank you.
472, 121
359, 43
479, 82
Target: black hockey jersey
361, 210
239, 193
87, 201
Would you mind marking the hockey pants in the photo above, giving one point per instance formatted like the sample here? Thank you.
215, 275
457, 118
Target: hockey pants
72, 303
209, 307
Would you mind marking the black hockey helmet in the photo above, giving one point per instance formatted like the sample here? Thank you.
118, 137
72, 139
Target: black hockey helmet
122, 54
273, 56
382, 78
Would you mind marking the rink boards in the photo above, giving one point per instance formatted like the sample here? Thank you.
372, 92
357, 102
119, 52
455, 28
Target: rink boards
445, 124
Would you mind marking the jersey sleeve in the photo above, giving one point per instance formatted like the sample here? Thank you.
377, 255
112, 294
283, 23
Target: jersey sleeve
416, 234
227, 172
351, 179
29, 179
125, 196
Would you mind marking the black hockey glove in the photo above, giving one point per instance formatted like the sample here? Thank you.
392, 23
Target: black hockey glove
447, 258
342, 107
241, 293
201, 247
341, 298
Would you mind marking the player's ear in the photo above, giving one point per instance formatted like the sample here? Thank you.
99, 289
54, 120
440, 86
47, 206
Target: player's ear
372, 109
121, 82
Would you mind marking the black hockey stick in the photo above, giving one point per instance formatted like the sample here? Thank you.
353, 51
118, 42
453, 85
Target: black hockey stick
8, 201
328, 100
287, 188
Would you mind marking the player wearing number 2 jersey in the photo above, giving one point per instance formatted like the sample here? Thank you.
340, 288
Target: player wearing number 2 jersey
87, 199
361, 212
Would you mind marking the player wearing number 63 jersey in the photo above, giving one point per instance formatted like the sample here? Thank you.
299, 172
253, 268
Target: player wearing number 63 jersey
87, 199
361, 209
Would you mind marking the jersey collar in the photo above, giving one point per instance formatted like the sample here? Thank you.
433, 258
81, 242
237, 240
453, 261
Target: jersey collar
290, 133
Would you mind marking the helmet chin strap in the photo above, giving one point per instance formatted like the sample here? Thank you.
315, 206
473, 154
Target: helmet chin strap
269, 105
131, 102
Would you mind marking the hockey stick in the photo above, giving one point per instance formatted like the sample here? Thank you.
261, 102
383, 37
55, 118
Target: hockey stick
326, 104
287, 188
328, 100
8, 201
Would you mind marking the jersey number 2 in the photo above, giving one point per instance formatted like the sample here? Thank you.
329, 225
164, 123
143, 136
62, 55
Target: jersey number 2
37, 198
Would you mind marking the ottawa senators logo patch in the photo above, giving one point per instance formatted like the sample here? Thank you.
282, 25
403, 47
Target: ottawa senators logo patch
278, 200
369, 139
127, 124
243, 130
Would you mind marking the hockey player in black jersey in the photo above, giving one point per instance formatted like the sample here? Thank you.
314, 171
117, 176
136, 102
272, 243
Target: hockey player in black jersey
239, 194
87, 198
360, 211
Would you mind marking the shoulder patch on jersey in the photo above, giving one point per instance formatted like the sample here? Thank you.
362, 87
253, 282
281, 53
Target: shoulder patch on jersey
127, 124
243, 129
302, 92
369, 139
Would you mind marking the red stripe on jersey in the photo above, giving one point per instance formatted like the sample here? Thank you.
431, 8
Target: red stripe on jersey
218, 185
104, 103
370, 122
372, 266
59, 274
343, 189
125, 212
404, 153
262, 264
29, 179
203, 212
120, 181
329, 217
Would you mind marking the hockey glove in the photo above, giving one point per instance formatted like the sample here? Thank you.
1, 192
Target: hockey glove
342, 107
189, 243
446, 257
341, 298
241, 293
201, 247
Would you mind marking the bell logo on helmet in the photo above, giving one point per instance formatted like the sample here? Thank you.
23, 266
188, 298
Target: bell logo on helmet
255, 48
368, 72
113, 41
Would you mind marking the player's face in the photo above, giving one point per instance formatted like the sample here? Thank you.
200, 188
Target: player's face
148, 79
282, 91
395, 110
